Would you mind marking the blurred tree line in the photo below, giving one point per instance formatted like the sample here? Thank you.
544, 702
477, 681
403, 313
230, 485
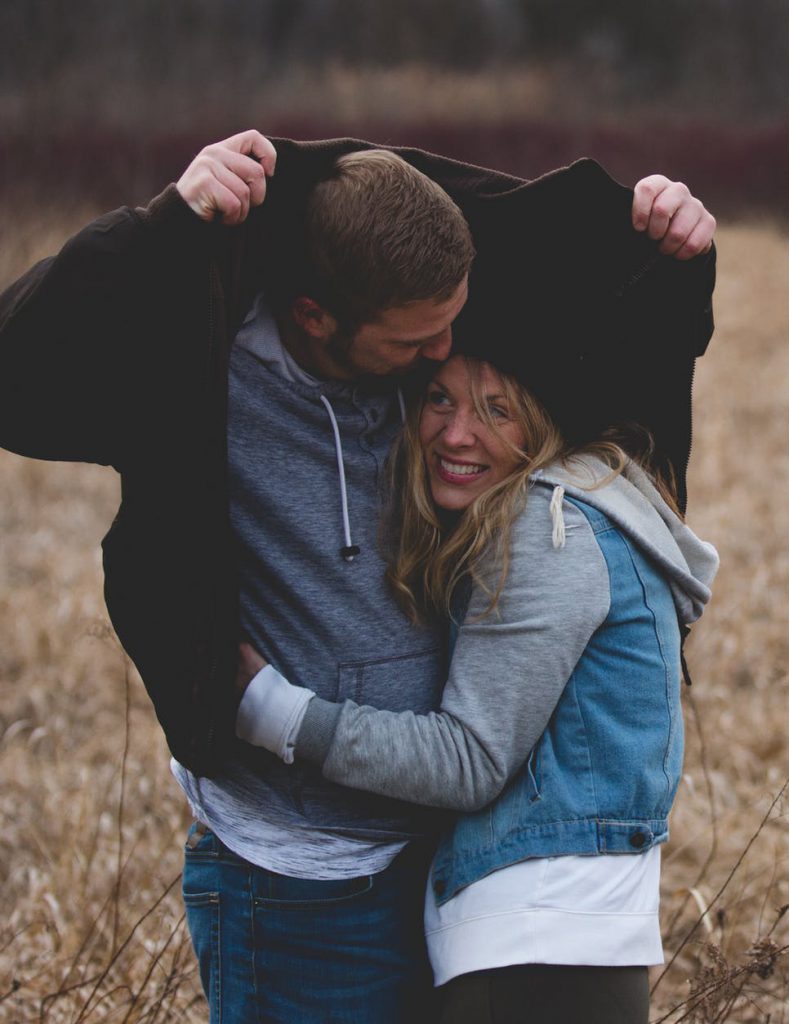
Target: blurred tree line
110, 98
729, 53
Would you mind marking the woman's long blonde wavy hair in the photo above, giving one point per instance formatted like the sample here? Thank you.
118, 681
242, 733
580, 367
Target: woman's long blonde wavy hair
431, 551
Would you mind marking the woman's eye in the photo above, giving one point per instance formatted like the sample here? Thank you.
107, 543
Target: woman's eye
437, 398
498, 412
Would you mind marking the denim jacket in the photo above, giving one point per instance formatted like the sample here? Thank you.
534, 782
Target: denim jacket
603, 776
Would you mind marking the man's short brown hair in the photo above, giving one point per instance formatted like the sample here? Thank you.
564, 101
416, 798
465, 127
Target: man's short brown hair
379, 234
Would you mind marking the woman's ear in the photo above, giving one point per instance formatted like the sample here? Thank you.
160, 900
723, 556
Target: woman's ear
313, 319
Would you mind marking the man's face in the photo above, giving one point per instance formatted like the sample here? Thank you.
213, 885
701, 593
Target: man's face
400, 338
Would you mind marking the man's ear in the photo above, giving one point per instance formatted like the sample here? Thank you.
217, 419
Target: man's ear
313, 319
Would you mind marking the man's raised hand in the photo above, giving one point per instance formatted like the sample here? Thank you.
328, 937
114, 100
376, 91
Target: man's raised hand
670, 215
228, 177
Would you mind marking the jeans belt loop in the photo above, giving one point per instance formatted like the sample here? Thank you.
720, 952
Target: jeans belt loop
199, 831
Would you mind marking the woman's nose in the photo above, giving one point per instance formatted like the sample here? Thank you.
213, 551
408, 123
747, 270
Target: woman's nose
459, 431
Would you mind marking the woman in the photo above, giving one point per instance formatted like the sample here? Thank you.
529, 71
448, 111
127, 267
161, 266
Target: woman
570, 577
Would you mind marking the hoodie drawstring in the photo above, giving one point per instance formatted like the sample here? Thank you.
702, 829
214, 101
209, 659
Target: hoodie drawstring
558, 535
349, 550
684, 632
401, 403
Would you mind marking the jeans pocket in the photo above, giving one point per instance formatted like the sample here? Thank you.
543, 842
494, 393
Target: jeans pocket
200, 888
311, 894
202, 917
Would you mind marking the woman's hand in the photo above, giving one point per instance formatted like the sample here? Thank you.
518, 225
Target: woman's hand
249, 664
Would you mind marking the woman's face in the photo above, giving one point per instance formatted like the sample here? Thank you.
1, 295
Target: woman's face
465, 455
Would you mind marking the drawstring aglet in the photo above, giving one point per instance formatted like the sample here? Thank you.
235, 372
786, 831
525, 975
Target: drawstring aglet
558, 535
684, 632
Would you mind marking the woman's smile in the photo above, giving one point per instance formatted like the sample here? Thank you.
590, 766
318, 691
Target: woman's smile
455, 471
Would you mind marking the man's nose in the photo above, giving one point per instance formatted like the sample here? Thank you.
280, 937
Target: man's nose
438, 348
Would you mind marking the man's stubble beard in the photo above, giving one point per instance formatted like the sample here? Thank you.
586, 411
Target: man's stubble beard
339, 348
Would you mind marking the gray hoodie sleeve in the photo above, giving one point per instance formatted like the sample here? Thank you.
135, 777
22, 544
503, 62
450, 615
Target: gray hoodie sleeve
508, 671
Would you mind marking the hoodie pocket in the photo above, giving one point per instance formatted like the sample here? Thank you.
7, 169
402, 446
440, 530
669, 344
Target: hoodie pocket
411, 682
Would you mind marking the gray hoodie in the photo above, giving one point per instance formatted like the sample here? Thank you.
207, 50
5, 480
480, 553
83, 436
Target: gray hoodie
315, 615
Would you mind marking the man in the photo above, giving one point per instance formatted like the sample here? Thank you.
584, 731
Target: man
148, 344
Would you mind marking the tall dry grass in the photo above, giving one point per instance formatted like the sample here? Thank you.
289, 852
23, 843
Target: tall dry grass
92, 925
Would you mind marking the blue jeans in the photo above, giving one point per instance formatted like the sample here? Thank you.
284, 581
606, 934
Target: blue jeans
284, 950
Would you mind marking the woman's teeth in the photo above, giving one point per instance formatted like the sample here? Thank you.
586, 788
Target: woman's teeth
460, 469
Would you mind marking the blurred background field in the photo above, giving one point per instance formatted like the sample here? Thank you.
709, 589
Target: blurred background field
102, 103
116, 95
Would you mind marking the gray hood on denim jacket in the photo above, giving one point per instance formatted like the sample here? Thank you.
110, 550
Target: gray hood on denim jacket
690, 564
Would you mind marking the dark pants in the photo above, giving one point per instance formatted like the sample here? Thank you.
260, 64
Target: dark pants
279, 950
548, 994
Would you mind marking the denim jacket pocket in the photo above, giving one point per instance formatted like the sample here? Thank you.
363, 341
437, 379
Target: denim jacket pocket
510, 811
534, 773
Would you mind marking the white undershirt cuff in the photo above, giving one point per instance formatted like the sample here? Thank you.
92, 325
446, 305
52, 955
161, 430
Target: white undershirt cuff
271, 712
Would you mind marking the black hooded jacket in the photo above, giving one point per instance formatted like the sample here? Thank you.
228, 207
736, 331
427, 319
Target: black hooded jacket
115, 351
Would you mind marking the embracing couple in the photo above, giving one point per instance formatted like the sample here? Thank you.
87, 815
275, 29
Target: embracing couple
410, 614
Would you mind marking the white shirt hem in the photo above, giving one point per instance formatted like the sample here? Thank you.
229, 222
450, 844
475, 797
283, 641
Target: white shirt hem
544, 936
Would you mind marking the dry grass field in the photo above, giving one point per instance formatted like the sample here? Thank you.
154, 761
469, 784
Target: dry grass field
91, 824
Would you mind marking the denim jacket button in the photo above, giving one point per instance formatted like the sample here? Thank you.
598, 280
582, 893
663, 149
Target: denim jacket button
637, 840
